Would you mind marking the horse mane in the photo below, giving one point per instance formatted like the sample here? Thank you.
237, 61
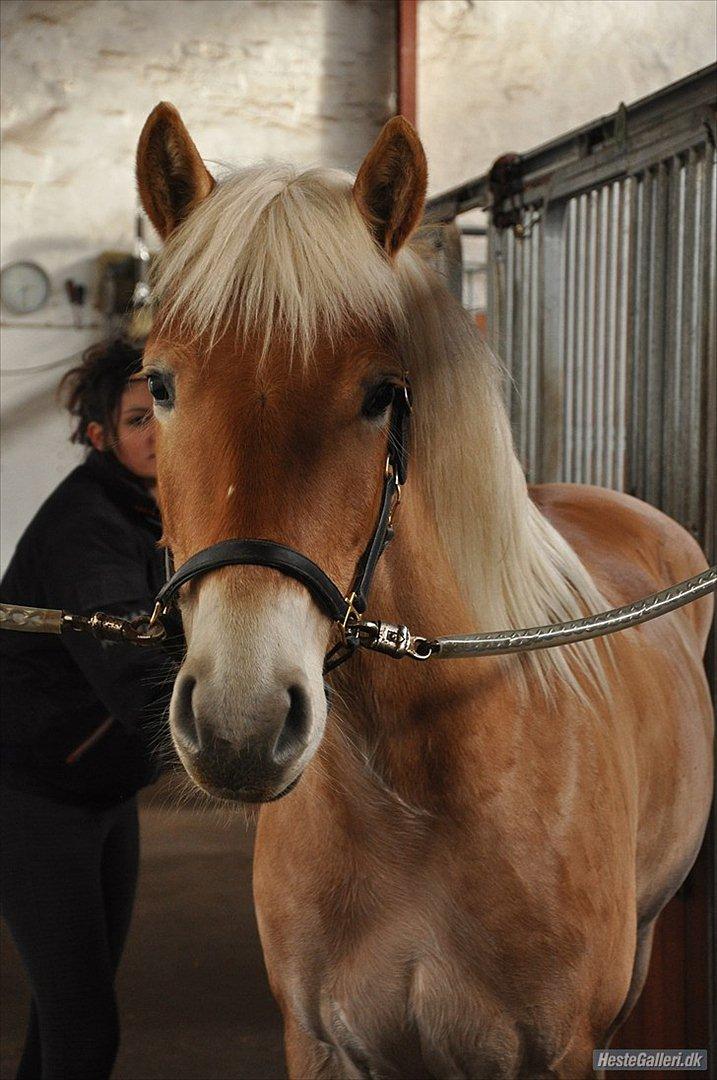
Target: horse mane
276, 249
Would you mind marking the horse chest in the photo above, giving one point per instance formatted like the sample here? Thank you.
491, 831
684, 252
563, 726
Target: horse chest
394, 973
386, 1012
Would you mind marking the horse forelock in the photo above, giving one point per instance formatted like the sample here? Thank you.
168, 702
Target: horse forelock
284, 256
275, 252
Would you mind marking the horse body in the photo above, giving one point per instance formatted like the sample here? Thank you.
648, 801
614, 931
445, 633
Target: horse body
462, 875
418, 937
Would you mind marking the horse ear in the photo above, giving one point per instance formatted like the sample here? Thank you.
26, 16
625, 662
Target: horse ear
171, 176
390, 188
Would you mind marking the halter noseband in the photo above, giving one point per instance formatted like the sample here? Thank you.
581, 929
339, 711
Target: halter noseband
343, 610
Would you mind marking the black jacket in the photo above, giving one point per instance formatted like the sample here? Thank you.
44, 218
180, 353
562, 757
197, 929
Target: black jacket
91, 546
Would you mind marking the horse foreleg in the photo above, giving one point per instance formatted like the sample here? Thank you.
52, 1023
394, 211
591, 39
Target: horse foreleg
306, 1057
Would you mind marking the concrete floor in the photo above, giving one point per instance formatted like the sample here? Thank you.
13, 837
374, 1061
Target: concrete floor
193, 995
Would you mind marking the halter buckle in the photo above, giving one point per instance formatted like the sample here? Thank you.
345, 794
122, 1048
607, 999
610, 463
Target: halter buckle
158, 611
390, 474
351, 618
394, 506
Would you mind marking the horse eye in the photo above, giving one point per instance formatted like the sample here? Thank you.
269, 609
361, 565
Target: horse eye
159, 388
378, 400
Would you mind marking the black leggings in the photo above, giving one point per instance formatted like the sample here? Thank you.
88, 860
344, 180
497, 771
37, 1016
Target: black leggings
68, 882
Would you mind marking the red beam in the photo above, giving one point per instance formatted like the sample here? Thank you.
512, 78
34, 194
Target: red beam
406, 38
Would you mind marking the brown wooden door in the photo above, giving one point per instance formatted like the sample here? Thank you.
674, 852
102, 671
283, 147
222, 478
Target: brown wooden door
676, 1008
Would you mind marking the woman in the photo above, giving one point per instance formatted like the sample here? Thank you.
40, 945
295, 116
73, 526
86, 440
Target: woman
81, 722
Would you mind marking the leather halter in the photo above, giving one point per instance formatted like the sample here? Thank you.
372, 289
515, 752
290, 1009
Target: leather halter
382, 637
344, 610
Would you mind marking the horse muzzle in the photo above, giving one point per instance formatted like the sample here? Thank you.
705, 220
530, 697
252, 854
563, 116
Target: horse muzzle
254, 757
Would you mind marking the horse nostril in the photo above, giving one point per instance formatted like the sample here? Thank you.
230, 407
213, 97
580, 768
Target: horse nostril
184, 718
294, 734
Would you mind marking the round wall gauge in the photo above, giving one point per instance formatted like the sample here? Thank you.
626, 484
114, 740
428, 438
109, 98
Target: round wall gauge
24, 287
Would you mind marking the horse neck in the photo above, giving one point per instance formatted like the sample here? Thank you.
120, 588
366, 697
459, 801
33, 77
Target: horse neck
419, 733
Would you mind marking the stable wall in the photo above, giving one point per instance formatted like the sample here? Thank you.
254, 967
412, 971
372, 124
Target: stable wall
507, 75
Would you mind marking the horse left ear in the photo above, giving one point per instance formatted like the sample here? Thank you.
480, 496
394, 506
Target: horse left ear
390, 188
171, 176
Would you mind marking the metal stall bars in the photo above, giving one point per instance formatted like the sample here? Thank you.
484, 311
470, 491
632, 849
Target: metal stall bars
601, 300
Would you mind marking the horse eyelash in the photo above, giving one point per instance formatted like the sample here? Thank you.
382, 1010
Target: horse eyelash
384, 385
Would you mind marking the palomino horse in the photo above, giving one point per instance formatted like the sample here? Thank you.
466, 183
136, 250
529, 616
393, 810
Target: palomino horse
465, 881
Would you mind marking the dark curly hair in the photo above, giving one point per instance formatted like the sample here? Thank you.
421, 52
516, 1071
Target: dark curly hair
93, 389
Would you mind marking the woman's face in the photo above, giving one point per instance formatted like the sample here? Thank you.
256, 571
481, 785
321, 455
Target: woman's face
132, 442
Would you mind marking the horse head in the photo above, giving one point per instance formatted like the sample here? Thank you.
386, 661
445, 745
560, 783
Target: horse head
273, 364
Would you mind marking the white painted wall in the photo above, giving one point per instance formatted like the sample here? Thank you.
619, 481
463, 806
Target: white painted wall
302, 80
507, 75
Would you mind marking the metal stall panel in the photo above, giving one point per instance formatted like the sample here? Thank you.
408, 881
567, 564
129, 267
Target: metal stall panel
601, 305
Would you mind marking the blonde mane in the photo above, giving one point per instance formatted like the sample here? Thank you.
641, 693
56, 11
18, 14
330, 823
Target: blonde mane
273, 248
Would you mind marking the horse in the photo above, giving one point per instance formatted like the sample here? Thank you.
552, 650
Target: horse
459, 864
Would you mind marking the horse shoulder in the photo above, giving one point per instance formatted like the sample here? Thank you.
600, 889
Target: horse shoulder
630, 548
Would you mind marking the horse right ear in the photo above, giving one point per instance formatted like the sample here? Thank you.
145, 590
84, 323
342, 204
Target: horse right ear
171, 176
